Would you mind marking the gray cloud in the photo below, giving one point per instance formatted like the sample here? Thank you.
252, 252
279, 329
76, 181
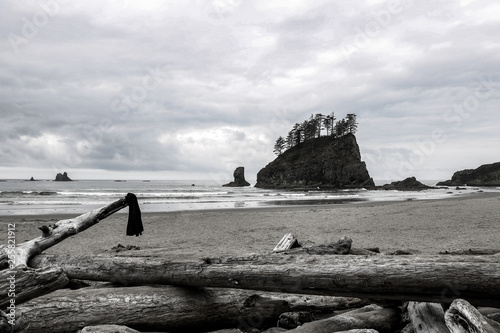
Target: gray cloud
202, 87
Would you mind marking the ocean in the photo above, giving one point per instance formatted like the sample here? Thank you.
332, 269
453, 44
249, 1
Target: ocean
21, 197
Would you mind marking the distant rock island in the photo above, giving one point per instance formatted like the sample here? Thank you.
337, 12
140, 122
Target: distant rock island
239, 178
485, 175
62, 177
409, 184
324, 162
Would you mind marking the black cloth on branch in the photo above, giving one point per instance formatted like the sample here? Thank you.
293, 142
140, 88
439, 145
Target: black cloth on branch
134, 225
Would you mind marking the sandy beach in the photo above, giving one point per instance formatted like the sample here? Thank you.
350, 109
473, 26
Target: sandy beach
426, 227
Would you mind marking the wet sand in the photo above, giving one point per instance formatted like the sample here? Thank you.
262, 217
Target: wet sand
419, 226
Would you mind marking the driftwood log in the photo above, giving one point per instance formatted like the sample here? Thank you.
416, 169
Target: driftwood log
462, 317
427, 317
379, 319
168, 308
438, 279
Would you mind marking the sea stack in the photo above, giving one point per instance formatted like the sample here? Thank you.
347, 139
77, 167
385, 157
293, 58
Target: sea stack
62, 177
324, 162
239, 178
485, 175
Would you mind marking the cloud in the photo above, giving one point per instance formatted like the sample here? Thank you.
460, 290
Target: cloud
194, 87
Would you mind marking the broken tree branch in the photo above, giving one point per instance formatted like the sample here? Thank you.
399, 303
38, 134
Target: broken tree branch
30, 283
51, 235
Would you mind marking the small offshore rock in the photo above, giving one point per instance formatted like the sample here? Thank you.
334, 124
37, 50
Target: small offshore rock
62, 177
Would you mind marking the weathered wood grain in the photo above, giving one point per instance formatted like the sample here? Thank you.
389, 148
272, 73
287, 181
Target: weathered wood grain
427, 317
438, 279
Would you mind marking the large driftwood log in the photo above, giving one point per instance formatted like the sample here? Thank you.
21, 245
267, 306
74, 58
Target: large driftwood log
438, 279
381, 320
168, 308
427, 317
462, 317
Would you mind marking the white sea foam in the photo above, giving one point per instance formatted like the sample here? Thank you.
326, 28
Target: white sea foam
19, 197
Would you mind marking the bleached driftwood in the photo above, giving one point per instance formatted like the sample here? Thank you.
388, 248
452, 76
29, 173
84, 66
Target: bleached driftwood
416, 278
427, 317
286, 243
165, 308
462, 317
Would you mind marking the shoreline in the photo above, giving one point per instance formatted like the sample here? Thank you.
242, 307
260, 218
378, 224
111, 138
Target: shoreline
419, 226
326, 204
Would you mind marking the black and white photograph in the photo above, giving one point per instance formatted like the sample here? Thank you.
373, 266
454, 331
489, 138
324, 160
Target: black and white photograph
247, 166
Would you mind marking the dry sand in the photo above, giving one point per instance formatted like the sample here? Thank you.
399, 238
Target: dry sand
420, 226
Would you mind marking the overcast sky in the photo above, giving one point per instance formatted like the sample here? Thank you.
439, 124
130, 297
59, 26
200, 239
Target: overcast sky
192, 89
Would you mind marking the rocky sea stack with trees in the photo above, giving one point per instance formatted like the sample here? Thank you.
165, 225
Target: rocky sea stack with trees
318, 152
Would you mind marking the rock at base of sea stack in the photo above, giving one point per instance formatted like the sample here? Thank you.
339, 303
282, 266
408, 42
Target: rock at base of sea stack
239, 178
62, 177
409, 184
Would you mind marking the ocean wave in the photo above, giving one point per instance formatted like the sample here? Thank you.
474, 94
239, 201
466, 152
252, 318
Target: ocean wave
41, 203
15, 194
